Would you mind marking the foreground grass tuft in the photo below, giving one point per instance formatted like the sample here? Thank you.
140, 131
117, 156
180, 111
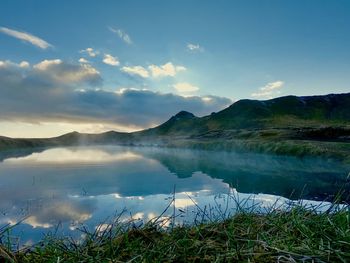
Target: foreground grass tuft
296, 235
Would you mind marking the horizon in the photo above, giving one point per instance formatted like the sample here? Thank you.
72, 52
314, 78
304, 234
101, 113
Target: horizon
106, 131
114, 66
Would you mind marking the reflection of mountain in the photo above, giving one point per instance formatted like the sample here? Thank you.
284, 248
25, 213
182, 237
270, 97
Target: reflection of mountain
88, 184
52, 191
16, 153
123, 174
256, 173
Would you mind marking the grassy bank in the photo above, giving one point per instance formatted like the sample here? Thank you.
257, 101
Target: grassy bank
328, 142
298, 148
296, 235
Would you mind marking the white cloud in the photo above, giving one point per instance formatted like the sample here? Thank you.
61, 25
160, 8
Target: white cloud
61, 72
50, 91
122, 35
83, 61
36, 41
180, 68
136, 70
60, 211
45, 64
270, 90
34, 222
8, 64
207, 99
24, 64
167, 69
90, 51
272, 86
184, 87
184, 203
194, 48
110, 60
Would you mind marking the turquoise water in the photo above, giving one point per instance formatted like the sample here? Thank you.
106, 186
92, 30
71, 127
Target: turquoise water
74, 186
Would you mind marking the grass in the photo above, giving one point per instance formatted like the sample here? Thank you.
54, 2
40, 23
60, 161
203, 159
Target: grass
299, 148
293, 234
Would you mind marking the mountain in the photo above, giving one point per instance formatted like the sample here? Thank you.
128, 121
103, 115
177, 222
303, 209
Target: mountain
260, 124
285, 111
280, 113
289, 111
183, 123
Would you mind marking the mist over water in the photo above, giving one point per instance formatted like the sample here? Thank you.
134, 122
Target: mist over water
86, 185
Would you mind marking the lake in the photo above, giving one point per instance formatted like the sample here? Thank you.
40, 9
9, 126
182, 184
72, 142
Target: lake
71, 187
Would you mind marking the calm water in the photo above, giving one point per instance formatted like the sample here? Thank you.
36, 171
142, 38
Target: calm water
89, 185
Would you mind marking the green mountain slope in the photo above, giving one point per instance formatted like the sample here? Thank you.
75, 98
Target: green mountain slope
283, 112
250, 124
183, 123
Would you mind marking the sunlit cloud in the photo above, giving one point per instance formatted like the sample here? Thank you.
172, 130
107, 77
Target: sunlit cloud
270, 90
31, 128
55, 91
90, 52
167, 69
206, 99
122, 35
66, 72
185, 88
101, 228
83, 60
110, 60
34, 222
71, 156
9, 64
59, 212
272, 86
34, 40
45, 64
136, 70
194, 48
155, 71
138, 216
184, 203
24, 64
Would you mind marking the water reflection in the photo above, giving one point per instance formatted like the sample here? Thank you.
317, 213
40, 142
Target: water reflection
86, 185
291, 177
68, 156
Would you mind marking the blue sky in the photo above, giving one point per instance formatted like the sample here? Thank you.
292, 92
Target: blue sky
193, 55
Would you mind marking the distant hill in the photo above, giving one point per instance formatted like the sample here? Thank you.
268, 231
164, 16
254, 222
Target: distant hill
283, 112
183, 123
323, 118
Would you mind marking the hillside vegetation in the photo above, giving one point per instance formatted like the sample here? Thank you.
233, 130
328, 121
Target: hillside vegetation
314, 125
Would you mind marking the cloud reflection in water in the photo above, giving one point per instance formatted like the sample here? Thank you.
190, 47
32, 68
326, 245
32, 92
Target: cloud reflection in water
87, 185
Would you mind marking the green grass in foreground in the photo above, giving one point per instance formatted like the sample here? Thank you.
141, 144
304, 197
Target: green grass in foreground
296, 235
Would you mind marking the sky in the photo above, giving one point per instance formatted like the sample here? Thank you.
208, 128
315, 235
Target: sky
93, 66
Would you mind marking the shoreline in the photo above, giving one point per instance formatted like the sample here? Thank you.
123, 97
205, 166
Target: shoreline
298, 234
